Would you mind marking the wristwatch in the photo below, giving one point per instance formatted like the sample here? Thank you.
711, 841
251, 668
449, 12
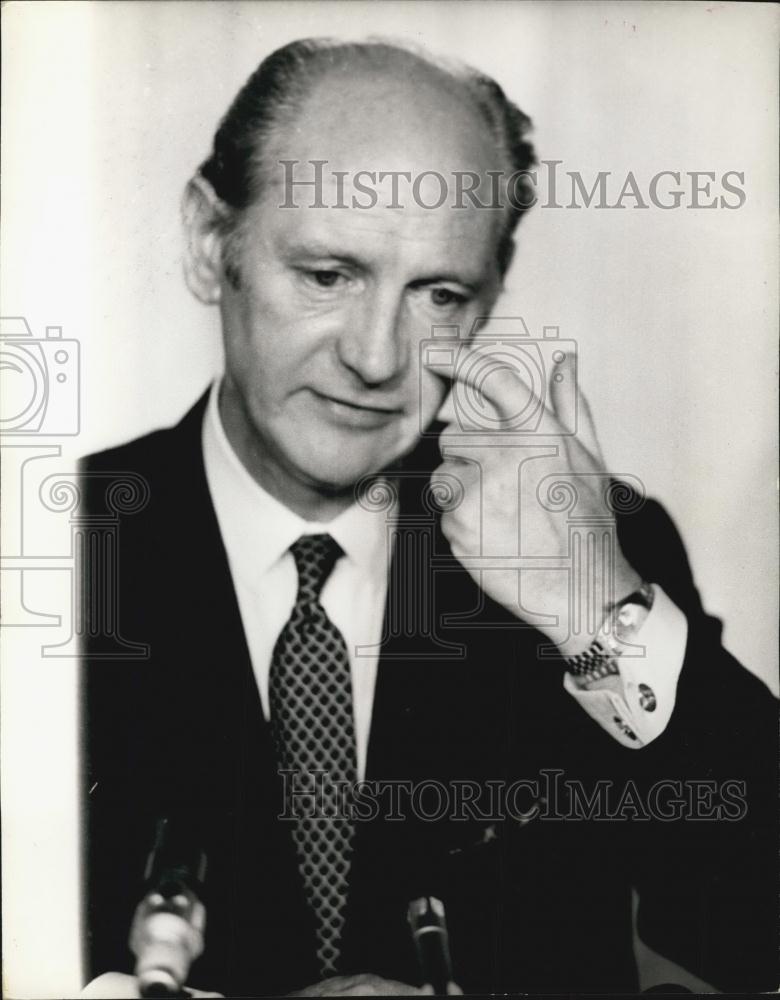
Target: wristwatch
620, 626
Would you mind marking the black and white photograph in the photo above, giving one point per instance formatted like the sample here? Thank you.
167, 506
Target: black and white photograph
389, 512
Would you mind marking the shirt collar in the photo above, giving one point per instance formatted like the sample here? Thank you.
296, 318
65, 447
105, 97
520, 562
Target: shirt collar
258, 529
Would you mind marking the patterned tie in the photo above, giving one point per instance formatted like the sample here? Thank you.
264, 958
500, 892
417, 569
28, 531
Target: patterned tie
310, 694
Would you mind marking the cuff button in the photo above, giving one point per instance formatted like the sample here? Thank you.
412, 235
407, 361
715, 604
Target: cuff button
624, 729
647, 698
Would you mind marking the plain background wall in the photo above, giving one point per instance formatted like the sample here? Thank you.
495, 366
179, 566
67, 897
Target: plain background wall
108, 108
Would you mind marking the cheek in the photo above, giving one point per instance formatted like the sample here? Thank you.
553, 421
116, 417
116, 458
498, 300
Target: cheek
264, 340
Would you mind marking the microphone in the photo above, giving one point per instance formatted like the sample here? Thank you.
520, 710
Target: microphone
169, 923
431, 941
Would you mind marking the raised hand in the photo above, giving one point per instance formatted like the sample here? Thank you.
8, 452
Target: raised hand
519, 495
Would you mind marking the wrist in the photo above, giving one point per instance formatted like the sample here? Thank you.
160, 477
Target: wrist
627, 583
623, 620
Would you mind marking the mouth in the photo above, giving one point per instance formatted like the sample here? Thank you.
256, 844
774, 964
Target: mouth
354, 414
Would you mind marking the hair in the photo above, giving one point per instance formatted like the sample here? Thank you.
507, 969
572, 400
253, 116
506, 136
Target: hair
273, 96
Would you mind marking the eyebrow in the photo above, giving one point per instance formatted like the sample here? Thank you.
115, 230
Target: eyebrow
315, 248
453, 279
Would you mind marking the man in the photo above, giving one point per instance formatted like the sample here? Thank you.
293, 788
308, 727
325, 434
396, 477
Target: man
314, 602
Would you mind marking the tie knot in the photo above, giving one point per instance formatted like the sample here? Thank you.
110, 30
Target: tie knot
315, 556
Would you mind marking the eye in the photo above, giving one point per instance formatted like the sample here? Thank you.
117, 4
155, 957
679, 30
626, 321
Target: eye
325, 279
443, 297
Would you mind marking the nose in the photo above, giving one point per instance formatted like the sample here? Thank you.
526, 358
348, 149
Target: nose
373, 345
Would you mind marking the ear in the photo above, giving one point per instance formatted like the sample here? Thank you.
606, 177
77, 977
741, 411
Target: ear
202, 215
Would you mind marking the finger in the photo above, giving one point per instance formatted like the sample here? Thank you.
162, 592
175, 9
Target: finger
492, 375
587, 430
563, 392
572, 409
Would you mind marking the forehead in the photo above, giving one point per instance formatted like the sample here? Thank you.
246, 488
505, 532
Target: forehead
408, 241
401, 112
395, 151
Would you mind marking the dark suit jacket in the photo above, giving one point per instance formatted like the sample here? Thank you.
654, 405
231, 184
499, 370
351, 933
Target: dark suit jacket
541, 905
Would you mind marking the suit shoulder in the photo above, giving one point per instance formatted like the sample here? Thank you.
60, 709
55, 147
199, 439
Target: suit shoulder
122, 479
132, 456
648, 519
150, 450
652, 544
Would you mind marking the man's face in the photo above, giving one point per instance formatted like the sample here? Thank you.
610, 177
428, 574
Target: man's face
323, 378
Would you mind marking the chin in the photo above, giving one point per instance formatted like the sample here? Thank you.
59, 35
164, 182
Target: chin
336, 462
331, 473
339, 472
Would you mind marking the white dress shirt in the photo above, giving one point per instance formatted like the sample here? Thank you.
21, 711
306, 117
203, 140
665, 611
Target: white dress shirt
655, 662
258, 530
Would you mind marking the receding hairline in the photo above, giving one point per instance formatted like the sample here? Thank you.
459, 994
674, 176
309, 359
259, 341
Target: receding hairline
400, 64
391, 118
328, 57
276, 95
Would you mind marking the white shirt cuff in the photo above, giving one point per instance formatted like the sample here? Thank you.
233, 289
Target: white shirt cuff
635, 705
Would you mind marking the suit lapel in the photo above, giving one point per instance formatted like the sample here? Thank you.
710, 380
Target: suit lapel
256, 891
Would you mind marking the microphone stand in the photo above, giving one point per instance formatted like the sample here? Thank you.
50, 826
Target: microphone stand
169, 923
431, 941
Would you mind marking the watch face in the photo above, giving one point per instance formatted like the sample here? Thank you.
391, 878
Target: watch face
624, 621
628, 620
